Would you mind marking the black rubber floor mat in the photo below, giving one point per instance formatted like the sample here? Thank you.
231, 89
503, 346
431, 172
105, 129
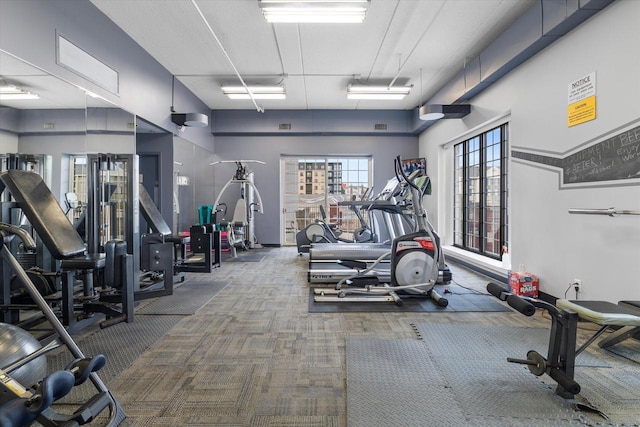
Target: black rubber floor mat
245, 258
460, 299
186, 300
121, 344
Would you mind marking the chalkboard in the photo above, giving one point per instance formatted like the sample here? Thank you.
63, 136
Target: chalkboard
614, 158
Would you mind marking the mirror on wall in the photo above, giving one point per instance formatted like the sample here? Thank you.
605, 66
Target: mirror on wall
109, 128
45, 116
40, 114
58, 118
193, 182
65, 123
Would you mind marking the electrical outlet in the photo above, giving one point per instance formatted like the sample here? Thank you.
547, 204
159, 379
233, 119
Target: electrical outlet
577, 285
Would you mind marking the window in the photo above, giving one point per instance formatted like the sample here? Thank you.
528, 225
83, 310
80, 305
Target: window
480, 193
327, 181
78, 184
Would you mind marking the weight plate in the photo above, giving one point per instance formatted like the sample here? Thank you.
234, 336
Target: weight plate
539, 366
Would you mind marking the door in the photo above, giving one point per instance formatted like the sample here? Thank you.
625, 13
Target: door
290, 226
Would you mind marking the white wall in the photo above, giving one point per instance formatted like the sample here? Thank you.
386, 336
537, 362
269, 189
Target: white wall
604, 252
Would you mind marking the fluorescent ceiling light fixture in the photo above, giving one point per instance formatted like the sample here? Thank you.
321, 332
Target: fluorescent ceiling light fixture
437, 111
8, 88
314, 11
18, 96
258, 92
377, 92
92, 95
12, 92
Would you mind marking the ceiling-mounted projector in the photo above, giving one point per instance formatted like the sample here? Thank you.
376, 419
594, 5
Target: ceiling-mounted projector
190, 119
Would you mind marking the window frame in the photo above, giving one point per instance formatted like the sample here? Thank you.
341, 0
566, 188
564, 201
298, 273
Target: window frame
464, 235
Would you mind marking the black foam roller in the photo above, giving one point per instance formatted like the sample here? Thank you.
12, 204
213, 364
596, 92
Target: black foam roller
522, 305
495, 289
564, 381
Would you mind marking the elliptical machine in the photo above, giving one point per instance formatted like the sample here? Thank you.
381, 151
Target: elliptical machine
414, 261
322, 231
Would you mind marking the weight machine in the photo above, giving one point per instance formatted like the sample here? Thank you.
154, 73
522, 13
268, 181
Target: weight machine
113, 212
112, 269
155, 253
242, 227
559, 363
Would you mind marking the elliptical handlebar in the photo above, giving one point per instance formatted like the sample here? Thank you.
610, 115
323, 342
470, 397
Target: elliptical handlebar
417, 196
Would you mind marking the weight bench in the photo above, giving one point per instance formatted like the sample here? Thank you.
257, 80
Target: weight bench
201, 241
624, 332
47, 218
565, 315
607, 314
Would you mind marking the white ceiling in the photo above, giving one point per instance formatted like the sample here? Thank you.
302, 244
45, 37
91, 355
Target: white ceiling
315, 62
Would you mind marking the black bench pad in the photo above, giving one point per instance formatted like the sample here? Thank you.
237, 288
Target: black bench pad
151, 213
44, 213
87, 262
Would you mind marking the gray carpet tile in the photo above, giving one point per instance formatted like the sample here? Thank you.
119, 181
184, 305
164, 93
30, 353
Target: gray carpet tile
629, 349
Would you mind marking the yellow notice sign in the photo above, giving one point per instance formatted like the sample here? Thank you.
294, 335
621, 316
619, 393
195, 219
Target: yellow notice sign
581, 111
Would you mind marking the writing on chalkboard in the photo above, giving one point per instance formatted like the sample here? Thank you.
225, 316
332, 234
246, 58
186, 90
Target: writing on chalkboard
615, 158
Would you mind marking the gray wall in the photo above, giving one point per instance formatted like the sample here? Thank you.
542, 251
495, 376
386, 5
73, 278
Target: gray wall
318, 122
161, 145
71, 136
8, 142
270, 149
559, 247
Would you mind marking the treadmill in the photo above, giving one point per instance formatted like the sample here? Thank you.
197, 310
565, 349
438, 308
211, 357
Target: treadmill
385, 203
331, 262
